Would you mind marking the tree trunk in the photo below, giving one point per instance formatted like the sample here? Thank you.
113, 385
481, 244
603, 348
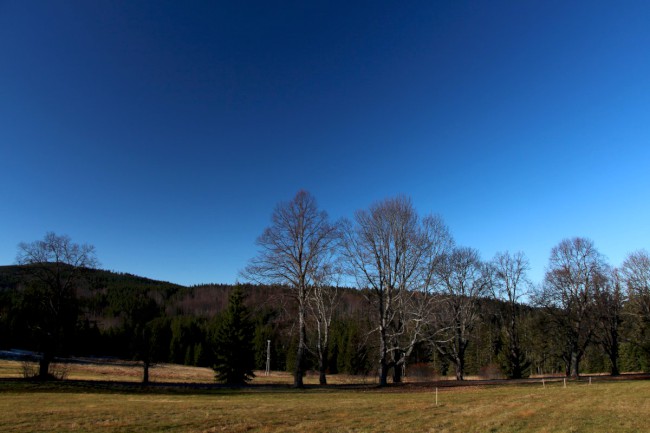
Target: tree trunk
574, 370
460, 368
397, 373
460, 355
383, 365
515, 352
322, 366
44, 366
515, 361
613, 355
300, 356
145, 376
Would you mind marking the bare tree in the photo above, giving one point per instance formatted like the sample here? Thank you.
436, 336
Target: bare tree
609, 301
576, 272
463, 279
510, 284
391, 252
635, 274
292, 252
54, 266
322, 302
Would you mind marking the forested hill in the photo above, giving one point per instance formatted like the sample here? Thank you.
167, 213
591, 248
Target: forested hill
11, 275
109, 314
112, 308
107, 294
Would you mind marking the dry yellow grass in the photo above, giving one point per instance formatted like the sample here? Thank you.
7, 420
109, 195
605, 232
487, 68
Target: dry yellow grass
118, 371
128, 371
622, 406
121, 371
84, 404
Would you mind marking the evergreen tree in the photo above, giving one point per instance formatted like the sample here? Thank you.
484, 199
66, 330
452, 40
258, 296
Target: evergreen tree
233, 343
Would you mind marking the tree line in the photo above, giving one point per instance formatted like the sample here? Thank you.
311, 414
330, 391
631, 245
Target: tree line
385, 293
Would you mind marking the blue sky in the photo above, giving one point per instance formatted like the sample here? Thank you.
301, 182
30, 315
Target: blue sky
164, 133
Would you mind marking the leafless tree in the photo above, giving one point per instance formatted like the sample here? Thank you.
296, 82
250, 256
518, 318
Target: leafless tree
609, 300
510, 284
576, 272
54, 266
463, 280
293, 251
322, 303
636, 276
391, 252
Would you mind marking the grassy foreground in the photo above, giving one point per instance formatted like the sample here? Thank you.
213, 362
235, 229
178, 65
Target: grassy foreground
622, 406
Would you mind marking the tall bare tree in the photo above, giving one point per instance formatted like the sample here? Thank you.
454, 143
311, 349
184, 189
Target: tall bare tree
609, 300
463, 280
322, 303
635, 274
293, 250
391, 251
510, 284
54, 268
576, 272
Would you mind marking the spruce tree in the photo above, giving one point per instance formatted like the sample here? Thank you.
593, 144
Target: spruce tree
233, 343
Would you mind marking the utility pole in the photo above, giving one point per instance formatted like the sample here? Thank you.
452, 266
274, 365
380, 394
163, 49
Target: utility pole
268, 358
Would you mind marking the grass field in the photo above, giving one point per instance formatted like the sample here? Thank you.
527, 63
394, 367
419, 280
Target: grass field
121, 371
105, 397
616, 406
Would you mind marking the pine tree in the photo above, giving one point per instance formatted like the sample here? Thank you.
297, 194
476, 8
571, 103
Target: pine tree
233, 343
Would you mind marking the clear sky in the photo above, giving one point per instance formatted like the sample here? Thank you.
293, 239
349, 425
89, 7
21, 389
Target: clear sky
165, 132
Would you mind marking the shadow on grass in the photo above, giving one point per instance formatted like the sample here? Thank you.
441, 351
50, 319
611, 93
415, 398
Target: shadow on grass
175, 388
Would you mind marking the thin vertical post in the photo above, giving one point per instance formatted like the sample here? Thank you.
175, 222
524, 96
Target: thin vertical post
268, 358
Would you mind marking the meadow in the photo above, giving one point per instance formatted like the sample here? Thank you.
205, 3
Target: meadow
98, 406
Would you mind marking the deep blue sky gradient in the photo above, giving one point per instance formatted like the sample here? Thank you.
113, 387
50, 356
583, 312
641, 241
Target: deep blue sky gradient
165, 132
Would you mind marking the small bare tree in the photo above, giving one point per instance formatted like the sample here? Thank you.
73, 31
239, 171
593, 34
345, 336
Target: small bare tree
463, 279
292, 252
510, 284
390, 251
54, 267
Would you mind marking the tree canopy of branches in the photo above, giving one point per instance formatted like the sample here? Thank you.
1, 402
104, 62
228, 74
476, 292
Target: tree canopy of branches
55, 267
293, 251
576, 273
635, 275
392, 253
463, 279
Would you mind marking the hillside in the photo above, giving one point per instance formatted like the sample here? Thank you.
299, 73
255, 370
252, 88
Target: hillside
113, 308
104, 293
